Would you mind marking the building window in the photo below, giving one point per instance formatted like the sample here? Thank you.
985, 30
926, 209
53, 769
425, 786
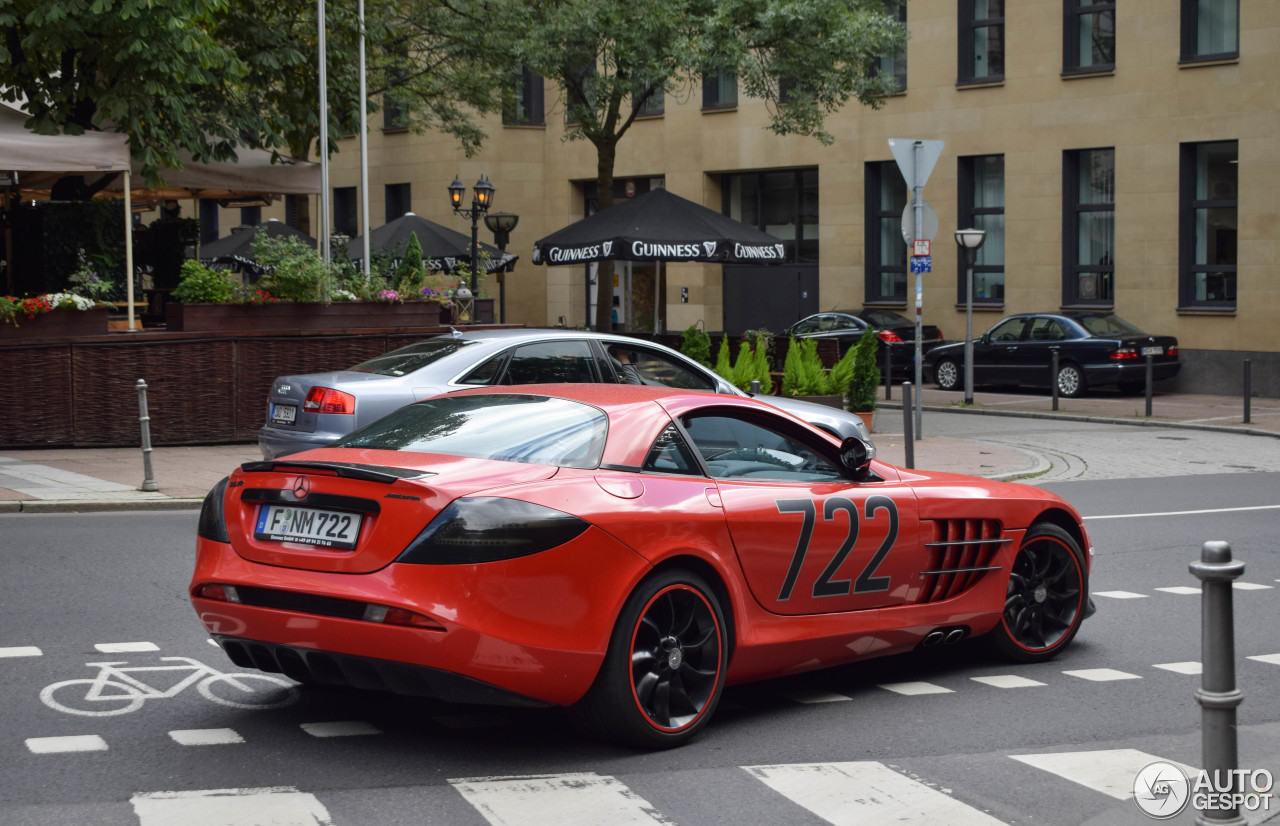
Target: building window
981, 41
526, 109
782, 203
1207, 229
654, 106
1089, 227
1089, 36
720, 90
1210, 29
894, 64
886, 268
208, 220
397, 201
345, 213
982, 207
250, 216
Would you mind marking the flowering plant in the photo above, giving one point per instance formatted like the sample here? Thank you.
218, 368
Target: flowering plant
345, 295
85, 280
11, 308
389, 296
244, 294
443, 297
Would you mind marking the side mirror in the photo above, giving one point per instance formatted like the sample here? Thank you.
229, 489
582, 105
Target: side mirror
856, 454
985, 338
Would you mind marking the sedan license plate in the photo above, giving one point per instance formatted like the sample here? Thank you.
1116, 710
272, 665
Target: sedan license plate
284, 413
1153, 351
310, 526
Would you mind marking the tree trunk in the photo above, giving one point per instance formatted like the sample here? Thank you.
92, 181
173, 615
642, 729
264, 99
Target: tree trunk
605, 154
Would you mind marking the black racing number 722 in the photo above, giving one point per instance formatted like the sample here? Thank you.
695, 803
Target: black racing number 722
867, 582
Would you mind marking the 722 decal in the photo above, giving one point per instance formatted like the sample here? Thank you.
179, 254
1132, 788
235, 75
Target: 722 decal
826, 585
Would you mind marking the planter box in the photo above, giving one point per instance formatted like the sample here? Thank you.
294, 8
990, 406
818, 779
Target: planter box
340, 315
61, 323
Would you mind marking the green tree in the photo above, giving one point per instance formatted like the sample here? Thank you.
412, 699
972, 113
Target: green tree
411, 275
609, 59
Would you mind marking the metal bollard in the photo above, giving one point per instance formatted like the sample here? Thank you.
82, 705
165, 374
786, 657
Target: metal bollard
1218, 695
1150, 382
888, 373
755, 387
148, 479
907, 429
1248, 390
1053, 379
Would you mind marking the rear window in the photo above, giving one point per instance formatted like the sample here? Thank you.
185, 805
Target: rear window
536, 430
406, 360
1108, 325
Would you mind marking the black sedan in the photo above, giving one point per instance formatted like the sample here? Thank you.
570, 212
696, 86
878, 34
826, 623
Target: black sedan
1094, 349
897, 333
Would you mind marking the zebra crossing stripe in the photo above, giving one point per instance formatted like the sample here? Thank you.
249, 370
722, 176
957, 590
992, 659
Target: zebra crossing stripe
1109, 771
853, 794
279, 806
21, 651
580, 799
1119, 595
915, 688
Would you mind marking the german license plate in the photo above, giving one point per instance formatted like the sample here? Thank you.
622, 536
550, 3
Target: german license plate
284, 413
310, 526
1153, 351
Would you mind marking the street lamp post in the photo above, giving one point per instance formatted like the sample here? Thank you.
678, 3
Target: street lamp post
482, 197
969, 240
501, 224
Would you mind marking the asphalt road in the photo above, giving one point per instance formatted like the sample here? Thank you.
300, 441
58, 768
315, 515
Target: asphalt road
982, 743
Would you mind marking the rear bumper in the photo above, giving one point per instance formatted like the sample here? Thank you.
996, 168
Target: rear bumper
1131, 370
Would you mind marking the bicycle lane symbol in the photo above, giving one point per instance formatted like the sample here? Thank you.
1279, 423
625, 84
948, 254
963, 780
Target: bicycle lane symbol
120, 690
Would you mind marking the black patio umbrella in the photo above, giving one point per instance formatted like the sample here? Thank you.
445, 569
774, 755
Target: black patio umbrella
659, 226
443, 249
236, 250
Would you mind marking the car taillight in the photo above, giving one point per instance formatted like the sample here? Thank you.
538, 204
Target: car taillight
1172, 351
487, 529
1124, 353
328, 400
888, 336
399, 616
218, 593
939, 336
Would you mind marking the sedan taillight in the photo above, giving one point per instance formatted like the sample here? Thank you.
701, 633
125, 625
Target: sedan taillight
1172, 351
328, 400
1124, 353
888, 336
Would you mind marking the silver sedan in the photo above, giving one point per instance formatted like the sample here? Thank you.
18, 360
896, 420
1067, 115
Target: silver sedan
314, 409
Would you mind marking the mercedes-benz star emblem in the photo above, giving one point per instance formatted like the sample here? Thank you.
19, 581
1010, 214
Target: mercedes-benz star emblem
301, 487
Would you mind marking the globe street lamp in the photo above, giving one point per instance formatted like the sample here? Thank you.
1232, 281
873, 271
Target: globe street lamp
482, 197
501, 224
969, 240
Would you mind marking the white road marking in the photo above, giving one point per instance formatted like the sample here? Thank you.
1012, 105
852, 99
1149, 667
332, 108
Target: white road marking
1119, 594
1184, 513
21, 651
1007, 681
281, 806
1250, 586
852, 794
60, 745
579, 799
1109, 771
1180, 589
1102, 675
912, 689
205, 736
1272, 659
814, 695
345, 728
125, 647
1181, 668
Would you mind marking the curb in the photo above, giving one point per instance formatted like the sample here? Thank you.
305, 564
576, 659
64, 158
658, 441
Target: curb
1075, 417
98, 506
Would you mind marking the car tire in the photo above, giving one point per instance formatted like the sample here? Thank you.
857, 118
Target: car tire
1045, 600
665, 667
946, 374
1071, 383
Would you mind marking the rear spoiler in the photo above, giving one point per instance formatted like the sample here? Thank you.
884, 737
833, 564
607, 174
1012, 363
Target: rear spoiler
347, 470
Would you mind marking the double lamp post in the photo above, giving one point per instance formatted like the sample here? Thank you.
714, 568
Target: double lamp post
499, 223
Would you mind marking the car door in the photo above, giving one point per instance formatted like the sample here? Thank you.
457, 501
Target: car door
654, 368
809, 539
1032, 358
552, 361
995, 354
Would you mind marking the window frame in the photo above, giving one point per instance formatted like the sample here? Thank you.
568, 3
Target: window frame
799, 188
1072, 13
1190, 34
530, 88
346, 210
391, 198
968, 29
711, 100
897, 8
1188, 206
1072, 209
965, 213
874, 213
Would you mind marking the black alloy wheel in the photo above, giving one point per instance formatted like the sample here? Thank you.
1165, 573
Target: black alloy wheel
1070, 381
947, 375
665, 667
1045, 600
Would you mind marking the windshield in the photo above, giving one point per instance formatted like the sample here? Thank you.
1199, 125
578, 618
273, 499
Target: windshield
536, 430
1107, 325
414, 357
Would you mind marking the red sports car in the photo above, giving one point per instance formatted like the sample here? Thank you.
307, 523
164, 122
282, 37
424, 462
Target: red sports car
624, 551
